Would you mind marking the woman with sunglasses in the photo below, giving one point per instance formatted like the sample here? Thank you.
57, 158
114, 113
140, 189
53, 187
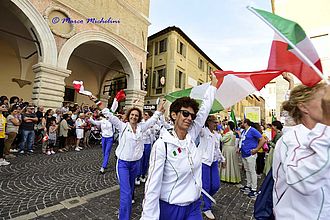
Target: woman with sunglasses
174, 183
210, 141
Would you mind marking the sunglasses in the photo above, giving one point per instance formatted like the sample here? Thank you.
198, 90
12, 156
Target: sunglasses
186, 114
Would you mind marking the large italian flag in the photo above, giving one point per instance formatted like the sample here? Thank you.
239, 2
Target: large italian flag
231, 88
283, 57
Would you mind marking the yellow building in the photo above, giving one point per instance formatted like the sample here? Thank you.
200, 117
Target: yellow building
45, 45
174, 63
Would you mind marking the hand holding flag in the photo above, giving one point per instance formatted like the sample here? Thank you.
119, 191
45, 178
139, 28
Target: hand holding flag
79, 87
120, 96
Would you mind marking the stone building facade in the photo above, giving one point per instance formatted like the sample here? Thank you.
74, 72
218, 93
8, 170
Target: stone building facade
45, 45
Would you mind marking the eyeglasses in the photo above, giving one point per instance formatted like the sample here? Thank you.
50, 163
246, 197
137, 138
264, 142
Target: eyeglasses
186, 114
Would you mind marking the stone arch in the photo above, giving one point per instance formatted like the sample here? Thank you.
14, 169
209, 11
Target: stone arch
44, 34
123, 55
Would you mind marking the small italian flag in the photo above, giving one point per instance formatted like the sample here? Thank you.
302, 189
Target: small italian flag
177, 151
232, 87
283, 57
120, 96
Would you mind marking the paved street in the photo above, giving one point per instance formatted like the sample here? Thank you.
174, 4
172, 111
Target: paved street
69, 186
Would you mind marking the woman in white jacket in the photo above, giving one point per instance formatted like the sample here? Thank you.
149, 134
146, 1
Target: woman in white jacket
107, 137
129, 151
173, 187
301, 164
210, 141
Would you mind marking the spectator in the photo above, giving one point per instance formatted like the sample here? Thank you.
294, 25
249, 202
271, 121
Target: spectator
27, 128
13, 123
3, 108
251, 142
63, 133
80, 124
231, 173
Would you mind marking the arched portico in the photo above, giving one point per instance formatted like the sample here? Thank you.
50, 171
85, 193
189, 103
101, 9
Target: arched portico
122, 54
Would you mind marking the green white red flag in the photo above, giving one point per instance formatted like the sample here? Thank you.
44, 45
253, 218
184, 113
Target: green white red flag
286, 58
231, 88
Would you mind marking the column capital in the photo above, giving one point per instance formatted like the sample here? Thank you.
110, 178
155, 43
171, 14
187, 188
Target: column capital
135, 98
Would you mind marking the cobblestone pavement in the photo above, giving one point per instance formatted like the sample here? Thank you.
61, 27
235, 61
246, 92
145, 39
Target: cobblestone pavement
69, 186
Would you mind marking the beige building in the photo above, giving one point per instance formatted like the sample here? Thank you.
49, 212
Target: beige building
314, 18
45, 45
174, 63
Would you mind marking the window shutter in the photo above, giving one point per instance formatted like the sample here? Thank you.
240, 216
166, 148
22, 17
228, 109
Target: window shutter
177, 79
184, 50
183, 81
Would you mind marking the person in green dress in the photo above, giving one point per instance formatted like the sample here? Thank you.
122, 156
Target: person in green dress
230, 173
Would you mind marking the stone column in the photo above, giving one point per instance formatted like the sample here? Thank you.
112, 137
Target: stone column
49, 86
133, 95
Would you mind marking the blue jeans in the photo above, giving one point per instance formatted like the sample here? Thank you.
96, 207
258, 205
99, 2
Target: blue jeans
126, 174
175, 212
27, 139
211, 182
106, 148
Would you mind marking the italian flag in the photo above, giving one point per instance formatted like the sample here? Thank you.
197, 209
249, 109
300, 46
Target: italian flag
283, 57
231, 88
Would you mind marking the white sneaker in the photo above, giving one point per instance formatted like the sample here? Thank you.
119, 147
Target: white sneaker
143, 179
13, 150
80, 148
209, 214
77, 149
102, 170
3, 162
48, 153
53, 152
133, 201
137, 182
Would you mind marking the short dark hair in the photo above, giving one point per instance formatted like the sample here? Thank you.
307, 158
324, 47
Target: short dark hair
183, 102
247, 121
149, 113
132, 109
278, 125
231, 125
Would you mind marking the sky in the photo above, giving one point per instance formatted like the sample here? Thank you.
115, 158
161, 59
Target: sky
232, 36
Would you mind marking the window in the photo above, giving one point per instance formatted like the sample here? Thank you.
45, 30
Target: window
156, 48
210, 69
163, 45
180, 79
156, 76
69, 94
181, 48
200, 64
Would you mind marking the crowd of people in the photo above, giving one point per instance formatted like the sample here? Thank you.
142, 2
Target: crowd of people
185, 158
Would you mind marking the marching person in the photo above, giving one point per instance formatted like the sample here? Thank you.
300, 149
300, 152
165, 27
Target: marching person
210, 141
107, 137
174, 182
129, 152
301, 168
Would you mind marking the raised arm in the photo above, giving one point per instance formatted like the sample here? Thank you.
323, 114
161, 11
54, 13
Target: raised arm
153, 120
204, 109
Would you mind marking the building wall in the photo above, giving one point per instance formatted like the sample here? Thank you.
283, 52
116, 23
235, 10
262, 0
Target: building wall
173, 61
127, 35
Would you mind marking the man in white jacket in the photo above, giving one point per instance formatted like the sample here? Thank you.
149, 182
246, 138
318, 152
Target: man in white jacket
173, 187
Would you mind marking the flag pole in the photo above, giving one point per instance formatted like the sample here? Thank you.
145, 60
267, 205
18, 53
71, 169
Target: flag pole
310, 63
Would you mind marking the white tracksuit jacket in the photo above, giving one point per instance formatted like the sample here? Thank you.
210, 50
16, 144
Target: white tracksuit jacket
301, 171
175, 174
211, 152
130, 146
